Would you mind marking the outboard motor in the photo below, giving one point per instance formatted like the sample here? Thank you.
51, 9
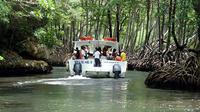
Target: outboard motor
77, 68
116, 70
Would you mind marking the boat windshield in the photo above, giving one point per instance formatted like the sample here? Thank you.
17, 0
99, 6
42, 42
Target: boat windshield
92, 44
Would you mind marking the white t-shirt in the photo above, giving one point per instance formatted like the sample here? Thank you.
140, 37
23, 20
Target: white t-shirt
97, 54
83, 52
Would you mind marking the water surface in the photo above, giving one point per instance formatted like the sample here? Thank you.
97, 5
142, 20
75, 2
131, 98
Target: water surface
56, 93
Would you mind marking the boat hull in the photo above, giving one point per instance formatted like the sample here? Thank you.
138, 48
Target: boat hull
105, 70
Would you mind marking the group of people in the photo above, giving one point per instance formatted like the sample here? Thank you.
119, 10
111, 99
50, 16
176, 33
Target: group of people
80, 54
111, 55
106, 53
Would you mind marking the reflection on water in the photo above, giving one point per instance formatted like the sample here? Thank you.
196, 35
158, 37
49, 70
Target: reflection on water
57, 93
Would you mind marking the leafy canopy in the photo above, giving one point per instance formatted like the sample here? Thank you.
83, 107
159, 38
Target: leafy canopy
4, 11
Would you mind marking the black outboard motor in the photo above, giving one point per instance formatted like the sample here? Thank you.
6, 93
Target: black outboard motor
77, 68
116, 70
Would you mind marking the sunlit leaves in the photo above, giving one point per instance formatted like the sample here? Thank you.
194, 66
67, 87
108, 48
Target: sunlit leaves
68, 9
47, 9
37, 13
47, 4
4, 11
1, 58
48, 36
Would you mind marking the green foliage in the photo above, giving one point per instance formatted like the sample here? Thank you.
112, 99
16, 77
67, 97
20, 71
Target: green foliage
67, 9
47, 4
37, 13
59, 13
47, 9
48, 37
1, 58
4, 11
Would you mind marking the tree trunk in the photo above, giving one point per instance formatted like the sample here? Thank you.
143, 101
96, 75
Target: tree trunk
147, 25
74, 30
100, 28
143, 30
130, 32
77, 31
118, 22
197, 9
162, 32
65, 35
136, 34
127, 31
198, 31
97, 26
132, 35
173, 26
81, 29
110, 22
159, 29
71, 35
86, 34
169, 34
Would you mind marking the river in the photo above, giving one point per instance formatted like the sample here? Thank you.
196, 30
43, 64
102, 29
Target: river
56, 93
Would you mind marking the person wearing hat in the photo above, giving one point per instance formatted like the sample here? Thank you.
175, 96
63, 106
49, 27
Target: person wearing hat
123, 55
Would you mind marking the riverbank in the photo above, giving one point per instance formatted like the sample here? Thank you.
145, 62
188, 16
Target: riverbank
34, 59
181, 76
143, 65
59, 56
16, 65
175, 70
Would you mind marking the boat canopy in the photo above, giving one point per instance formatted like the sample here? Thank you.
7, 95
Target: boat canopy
92, 44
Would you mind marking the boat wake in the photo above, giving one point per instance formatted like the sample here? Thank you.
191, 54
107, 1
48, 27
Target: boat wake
71, 80
77, 77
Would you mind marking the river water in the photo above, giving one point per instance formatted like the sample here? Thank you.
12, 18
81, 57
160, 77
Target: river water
56, 93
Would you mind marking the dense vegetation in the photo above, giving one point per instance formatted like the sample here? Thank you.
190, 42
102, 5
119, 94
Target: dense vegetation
155, 34
160, 24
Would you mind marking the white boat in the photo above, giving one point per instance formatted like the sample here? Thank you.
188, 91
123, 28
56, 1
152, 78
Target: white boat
86, 67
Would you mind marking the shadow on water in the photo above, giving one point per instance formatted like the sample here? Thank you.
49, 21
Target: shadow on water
56, 92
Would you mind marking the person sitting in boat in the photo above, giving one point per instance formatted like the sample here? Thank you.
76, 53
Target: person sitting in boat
99, 50
108, 53
123, 55
86, 52
73, 56
97, 58
104, 56
77, 53
114, 54
82, 53
118, 58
